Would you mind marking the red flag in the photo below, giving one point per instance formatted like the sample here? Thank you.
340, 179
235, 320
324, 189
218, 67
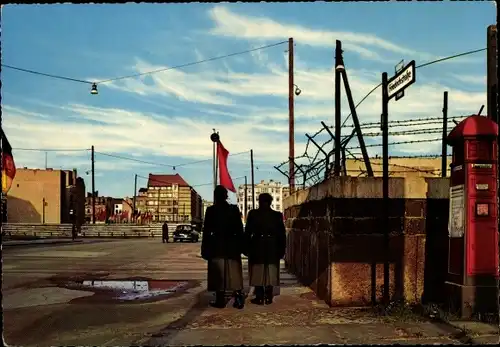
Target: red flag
8, 166
224, 177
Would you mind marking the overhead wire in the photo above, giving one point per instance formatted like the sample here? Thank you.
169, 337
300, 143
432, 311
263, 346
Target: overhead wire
418, 66
162, 164
192, 63
51, 149
46, 74
195, 185
143, 73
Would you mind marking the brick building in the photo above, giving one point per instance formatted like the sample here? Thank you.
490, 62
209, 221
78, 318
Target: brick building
46, 196
103, 208
170, 198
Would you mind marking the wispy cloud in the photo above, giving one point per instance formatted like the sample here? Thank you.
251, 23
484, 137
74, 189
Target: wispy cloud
470, 79
231, 24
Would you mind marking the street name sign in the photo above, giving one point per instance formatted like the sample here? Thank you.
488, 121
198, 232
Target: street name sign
402, 80
399, 66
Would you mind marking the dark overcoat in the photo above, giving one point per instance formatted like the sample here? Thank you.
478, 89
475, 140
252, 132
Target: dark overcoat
266, 239
221, 246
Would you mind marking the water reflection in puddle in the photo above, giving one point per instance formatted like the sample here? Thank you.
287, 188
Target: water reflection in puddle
136, 290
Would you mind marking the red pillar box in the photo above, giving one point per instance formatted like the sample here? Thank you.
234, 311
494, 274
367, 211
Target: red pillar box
473, 227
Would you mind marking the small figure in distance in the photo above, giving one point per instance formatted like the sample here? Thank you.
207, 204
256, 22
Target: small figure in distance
265, 236
164, 230
221, 247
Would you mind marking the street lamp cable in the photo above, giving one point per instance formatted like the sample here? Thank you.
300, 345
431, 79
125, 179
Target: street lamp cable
46, 74
95, 83
192, 63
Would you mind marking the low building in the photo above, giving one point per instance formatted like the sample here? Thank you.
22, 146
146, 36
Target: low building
46, 196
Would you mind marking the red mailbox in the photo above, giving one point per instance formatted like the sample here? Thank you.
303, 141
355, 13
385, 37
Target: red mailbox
473, 227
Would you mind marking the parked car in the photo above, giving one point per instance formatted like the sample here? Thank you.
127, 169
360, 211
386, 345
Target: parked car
186, 232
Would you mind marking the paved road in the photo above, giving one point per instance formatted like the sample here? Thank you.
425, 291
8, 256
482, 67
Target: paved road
39, 310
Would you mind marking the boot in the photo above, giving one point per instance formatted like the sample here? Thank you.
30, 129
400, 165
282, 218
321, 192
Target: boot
268, 297
220, 300
239, 300
259, 296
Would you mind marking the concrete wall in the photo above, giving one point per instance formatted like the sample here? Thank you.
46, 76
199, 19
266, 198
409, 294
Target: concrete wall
335, 237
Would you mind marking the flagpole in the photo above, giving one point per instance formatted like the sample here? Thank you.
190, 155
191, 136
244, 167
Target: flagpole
252, 178
217, 175
214, 138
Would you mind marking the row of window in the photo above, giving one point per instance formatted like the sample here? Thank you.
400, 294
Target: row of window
162, 202
173, 187
249, 199
162, 195
249, 207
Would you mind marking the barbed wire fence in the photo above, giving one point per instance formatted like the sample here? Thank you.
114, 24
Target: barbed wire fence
314, 165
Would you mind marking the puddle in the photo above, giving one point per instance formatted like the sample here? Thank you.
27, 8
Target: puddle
127, 290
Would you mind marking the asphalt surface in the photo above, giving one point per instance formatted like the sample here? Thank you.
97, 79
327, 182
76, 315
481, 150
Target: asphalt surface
44, 303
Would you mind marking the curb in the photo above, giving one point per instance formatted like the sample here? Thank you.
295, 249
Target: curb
38, 242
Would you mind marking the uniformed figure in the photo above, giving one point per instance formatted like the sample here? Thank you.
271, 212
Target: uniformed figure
222, 245
266, 238
164, 230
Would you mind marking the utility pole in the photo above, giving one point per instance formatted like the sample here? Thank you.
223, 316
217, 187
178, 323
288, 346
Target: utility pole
43, 211
338, 60
252, 178
291, 122
46, 154
245, 203
444, 146
93, 184
492, 78
135, 194
385, 182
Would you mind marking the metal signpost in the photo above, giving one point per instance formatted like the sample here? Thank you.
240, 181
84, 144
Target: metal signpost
390, 88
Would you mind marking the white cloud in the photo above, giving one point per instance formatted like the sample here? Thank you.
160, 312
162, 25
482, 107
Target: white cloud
473, 79
228, 23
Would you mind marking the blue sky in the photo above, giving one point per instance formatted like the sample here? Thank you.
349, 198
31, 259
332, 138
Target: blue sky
168, 117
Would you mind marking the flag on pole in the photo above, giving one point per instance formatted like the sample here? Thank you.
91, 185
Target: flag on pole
224, 176
8, 166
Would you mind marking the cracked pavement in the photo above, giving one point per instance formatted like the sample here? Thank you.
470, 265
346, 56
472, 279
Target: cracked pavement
38, 310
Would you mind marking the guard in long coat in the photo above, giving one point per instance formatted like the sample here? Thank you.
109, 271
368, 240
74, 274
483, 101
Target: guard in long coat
266, 238
222, 245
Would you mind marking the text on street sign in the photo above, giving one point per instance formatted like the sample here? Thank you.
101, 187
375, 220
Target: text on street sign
401, 80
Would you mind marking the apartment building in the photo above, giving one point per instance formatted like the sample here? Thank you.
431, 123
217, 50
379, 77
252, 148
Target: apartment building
170, 198
206, 204
276, 189
46, 196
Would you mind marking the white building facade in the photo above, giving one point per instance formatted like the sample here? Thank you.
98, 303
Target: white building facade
275, 189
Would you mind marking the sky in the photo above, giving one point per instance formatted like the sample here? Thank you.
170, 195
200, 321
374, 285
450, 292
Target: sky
166, 118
